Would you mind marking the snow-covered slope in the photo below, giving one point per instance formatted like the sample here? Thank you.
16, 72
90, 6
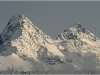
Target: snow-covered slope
25, 48
81, 48
27, 41
78, 39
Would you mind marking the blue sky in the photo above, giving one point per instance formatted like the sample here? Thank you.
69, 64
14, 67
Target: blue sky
53, 17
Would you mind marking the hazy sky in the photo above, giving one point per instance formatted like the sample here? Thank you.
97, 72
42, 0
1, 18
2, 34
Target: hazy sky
53, 17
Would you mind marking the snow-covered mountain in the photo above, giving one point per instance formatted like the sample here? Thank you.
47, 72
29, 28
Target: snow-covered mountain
25, 48
81, 48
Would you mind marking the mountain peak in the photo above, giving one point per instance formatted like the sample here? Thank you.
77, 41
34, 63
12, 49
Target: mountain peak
78, 25
22, 41
18, 16
19, 20
77, 32
17, 23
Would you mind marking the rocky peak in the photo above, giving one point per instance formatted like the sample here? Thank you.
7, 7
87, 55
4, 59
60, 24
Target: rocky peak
16, 23
77, 32
78, 25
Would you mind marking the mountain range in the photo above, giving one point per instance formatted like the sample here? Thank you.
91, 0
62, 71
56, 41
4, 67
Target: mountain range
24, 48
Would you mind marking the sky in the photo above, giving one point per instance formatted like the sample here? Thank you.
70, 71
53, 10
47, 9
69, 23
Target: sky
53, 17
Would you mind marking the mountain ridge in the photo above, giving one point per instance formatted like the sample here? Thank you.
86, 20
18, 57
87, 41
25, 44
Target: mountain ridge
22, 40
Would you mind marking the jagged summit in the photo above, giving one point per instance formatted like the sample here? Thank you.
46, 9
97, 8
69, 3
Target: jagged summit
17, 16
78, 25
72, 33
77, 32
13, 29
16, 25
